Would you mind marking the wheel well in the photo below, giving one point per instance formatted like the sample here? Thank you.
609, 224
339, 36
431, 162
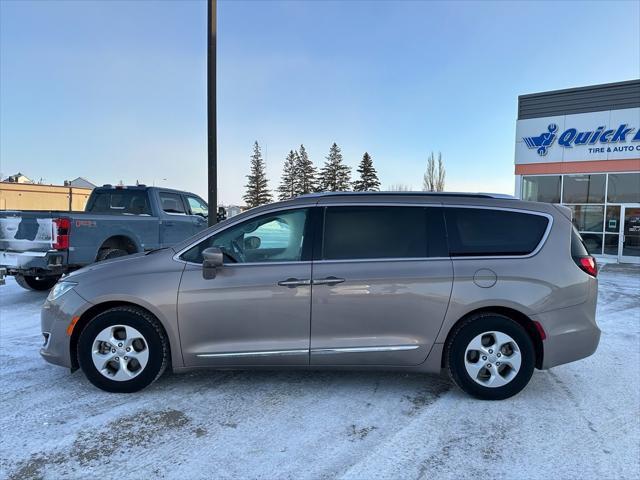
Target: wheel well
96, 310
121, 242
519, 317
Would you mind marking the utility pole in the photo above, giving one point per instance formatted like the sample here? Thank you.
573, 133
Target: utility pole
212, 164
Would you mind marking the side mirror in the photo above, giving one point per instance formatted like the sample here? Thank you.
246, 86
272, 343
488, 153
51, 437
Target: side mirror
213, 258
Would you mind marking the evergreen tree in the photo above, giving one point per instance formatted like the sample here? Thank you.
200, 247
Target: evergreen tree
368, 176
257, 186
306, 172
289, 181
335, 176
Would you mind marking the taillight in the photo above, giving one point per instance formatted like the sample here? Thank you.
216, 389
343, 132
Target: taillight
61, 237
541, 332
588, 264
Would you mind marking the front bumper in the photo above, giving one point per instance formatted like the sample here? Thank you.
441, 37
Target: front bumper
55, 318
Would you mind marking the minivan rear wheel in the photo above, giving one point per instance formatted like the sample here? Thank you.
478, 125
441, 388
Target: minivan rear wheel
123, 350
490, 356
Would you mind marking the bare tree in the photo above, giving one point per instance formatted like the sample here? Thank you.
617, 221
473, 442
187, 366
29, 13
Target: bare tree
429, 179
441, 174
433, 180
399, 187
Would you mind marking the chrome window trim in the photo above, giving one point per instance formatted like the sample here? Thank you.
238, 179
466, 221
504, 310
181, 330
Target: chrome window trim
387, 259
255, 264
542, 242
174, 213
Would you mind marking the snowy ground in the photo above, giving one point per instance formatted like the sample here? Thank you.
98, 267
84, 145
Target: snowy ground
580, 420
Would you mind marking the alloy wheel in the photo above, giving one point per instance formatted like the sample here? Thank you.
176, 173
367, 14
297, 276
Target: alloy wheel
120, 352
492, 359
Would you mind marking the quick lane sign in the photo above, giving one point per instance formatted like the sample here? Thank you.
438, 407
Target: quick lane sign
612, 135
572, 137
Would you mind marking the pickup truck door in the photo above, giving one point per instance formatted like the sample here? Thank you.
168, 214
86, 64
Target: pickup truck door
199, 212
175, 223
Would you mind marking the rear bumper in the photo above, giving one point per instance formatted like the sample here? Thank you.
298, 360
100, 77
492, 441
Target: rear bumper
572, 333
52, 262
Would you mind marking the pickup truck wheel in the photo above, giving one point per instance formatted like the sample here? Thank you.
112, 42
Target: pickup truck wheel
31, 282
108, 253
123, 350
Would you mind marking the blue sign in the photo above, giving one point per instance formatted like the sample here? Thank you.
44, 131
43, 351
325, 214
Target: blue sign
572, 138
543, 141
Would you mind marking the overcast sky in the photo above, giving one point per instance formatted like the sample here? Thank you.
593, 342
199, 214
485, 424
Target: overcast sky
117, 90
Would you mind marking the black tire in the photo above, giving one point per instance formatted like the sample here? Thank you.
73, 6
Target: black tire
31, 282
153, 334
108, 253
465, 332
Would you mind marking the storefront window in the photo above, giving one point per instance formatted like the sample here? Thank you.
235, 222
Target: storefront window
611, 244
543, 188
583, 188
593, 242
624, 188
588, 218
612, 222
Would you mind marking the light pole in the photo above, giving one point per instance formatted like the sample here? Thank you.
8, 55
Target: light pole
212, 163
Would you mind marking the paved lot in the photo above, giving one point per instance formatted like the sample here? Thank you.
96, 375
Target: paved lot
577, 421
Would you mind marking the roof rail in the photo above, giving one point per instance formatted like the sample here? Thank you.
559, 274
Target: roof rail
123, 187
412, 194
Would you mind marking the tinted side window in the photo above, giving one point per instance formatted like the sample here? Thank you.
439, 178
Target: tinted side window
172, 203
374, 232
485, 232
119, 201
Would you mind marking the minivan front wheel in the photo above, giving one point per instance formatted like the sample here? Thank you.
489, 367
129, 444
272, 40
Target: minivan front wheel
490, 356
123, 350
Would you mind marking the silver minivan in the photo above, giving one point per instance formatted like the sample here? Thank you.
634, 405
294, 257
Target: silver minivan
485, 287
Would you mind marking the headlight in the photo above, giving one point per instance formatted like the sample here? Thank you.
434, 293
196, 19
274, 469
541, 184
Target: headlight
60, 289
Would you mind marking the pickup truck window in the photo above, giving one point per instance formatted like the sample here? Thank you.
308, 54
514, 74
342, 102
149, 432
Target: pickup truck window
172, 203
122, 201
197, 206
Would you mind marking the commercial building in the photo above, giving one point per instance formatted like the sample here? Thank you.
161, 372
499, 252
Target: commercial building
30, 196
581, 147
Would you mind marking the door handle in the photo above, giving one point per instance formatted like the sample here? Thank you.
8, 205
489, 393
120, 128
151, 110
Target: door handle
328, 281
293, 282
168, 224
